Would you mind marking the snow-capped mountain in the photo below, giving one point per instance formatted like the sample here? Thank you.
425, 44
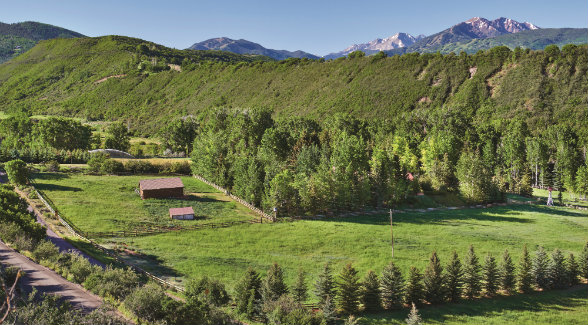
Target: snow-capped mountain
379, 44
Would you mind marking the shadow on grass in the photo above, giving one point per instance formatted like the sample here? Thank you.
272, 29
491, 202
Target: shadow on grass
561, 300
54, 187
151, 263
50, 176
494, 214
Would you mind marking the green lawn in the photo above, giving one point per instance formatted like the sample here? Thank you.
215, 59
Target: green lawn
544, 194
363, 240
109, 203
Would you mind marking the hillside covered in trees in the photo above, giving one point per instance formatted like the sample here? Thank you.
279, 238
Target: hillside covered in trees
122, 78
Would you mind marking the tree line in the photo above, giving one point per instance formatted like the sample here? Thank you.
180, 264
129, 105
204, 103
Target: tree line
300, 165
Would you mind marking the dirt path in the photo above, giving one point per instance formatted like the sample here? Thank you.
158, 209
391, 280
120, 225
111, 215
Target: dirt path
47, 281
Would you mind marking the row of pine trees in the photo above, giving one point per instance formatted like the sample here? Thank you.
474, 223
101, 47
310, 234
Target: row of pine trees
346, 294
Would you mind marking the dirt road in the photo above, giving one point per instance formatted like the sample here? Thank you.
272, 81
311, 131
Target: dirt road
47, 281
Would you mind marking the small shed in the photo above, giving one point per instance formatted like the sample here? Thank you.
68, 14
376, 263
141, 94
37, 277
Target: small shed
186, 213
161, 188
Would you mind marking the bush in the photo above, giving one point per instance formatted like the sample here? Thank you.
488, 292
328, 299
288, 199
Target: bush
147, 302
208, 290
80, 268
52, 166
96, 161
23, 243
116, 283
177, 167
286, 311
140, 167
45, 250
17, 171
112, 167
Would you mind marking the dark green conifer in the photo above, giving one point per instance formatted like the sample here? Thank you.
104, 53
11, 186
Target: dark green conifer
300, 291
324, 286
471, 275
248, 293
540, 269
507, 273
584, 262
454, 278
370, 292
414, 287
525, 276
572, 271
392, 287
329, 311
490, 273
434, 281
557, 271
273, 286
348, 292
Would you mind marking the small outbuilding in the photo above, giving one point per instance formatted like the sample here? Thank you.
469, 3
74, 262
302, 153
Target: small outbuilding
161, 188
186, 213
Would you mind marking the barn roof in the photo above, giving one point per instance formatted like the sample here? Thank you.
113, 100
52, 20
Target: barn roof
181, 211
161, 183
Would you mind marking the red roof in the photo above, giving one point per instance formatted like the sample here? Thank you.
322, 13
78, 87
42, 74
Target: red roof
181, 211
160, 183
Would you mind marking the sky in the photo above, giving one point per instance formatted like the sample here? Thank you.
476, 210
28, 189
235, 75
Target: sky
318, 27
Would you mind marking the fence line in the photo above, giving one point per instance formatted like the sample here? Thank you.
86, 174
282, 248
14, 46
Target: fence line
236, 198
104, 250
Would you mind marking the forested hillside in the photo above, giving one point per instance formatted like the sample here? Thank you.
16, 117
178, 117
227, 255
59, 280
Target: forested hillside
122, 78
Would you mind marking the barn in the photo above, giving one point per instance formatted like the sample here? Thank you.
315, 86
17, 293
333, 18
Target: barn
186, 213
161, 188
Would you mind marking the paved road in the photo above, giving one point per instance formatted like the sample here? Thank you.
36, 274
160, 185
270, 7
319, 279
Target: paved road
47, 281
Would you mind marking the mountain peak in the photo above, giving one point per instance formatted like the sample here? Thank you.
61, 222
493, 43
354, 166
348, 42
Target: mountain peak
395, 41
243, 46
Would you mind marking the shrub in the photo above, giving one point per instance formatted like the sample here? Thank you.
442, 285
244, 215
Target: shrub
147, 302
208, 290
176, 167
116, 283
52, 166
300, 291
23, 243
80, 268
324, 286
112, 167
140, 167
17, 171
247, 293
96, 161
273, 286
286, 311
45, 250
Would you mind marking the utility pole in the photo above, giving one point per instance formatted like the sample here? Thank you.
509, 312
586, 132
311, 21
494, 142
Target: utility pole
392, 232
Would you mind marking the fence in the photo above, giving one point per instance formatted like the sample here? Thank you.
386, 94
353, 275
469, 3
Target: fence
238, 199
83, 235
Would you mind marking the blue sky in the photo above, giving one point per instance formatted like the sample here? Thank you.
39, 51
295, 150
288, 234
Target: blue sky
319, 27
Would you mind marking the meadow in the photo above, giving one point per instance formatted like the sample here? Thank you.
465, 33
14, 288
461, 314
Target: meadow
110, 203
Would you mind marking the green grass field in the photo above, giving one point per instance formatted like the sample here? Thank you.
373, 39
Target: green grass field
109, 203
567, 198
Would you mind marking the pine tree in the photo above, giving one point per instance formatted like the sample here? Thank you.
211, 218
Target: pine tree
471, 275
273, 286
348, 292
413, 317
525, 276
392, 287
454, 278
329, 311
558, 271
507, 273
490, 275
584, 262
300, 291
434, 281
414, 287
248, 293
540, 269
572, 271
325, 286
370, 292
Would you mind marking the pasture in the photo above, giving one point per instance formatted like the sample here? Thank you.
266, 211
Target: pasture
110, 203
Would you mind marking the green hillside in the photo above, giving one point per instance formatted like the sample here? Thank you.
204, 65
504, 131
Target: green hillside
20, 37
67, 77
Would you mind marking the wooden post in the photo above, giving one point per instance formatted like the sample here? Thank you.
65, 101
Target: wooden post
392, 232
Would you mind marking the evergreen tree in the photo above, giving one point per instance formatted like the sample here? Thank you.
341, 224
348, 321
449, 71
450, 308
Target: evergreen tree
273, 286
434, 281
329, 311
540, 269
392, 287
584, 262
491, 276
471, 275
413, 317
248, 293
507, 273
525, 276
300, 291
414, 286
324, 287
558, 271
454, 278
349, 289
572, 270
370, 292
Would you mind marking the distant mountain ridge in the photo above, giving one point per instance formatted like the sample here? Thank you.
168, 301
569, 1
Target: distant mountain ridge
393, 42
20, 37
247, 47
